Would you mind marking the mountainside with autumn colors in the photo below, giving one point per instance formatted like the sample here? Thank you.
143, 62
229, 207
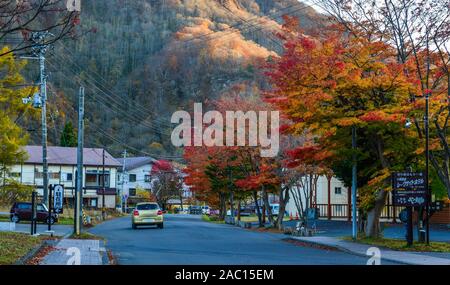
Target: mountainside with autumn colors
141, 60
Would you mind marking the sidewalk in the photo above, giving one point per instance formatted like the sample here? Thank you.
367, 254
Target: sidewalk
77, 252
397, 231
418, 258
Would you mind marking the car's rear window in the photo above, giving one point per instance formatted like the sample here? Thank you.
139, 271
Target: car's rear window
147, 207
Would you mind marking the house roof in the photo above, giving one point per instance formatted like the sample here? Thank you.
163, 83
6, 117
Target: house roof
135, 162
68, 156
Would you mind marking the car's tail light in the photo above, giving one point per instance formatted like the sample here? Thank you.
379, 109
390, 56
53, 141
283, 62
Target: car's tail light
136, 213
160, 212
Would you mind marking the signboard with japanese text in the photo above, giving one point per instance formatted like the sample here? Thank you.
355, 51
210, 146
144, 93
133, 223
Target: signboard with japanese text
408, 180
58, 198
409, 189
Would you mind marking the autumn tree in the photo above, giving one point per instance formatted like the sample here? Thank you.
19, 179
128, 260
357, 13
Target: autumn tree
335, 82
418, 32
12, 110
167, 182
19, 19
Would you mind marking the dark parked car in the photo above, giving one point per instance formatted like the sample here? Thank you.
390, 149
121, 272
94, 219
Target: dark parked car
21, 211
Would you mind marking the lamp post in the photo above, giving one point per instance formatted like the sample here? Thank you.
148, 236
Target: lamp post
427, 163
354, 185
427, 158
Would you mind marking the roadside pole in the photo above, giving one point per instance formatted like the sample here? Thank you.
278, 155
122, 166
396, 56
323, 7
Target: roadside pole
78, 204
103, 185
409, 227
354, 185
33, 213
122, 206
427, 159
49, 222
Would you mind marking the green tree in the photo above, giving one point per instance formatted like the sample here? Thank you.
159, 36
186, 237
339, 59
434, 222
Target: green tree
68, 136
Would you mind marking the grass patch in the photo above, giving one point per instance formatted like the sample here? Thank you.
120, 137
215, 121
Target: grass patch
64, 221
15, 245
86, 235
212, 219
400, 245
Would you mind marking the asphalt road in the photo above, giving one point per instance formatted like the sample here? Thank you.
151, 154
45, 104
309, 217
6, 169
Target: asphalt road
187, 239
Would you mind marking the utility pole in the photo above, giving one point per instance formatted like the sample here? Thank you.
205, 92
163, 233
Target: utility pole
427, 158
354, 184
39, 49
123, 178
78, 192
103, 187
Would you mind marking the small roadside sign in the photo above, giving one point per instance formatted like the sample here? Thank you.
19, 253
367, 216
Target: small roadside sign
58, 198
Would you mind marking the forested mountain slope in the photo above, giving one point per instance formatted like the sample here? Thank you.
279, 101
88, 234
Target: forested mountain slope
141, 60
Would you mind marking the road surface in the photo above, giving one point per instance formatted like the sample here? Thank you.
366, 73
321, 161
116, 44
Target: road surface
187, 239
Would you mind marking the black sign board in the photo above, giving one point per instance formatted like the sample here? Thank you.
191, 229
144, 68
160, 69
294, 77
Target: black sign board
409, 197
409, 189
408, 180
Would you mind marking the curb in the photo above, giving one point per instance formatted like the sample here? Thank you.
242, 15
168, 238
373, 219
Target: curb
346, 250
30, 254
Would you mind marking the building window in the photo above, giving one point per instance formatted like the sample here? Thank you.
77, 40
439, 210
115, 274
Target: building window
69, 177
147, 178
54, 175
38, 174
132, 178
95, 178
15, 174
337, 190
132, 192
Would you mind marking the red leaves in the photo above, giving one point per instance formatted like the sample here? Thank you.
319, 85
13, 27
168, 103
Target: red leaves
380, 116
161, 166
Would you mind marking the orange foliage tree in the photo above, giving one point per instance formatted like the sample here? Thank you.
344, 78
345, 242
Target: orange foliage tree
334, 82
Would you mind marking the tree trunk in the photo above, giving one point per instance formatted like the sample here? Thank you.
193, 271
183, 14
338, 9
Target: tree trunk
373, 216
258, 210
222, 208
239, 210
284, 199
232, 205
267, 205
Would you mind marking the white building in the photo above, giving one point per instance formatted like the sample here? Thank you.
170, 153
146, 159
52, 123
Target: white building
139, 173
134, 173
331, 198
62, 169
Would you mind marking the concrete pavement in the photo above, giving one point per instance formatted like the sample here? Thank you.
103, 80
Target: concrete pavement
187, 239
76, 252
344, 228
386, 254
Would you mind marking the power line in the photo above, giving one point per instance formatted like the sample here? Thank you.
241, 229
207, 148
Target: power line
248, 28
114, 107
114, 97
80, 69
228, 10
135, 149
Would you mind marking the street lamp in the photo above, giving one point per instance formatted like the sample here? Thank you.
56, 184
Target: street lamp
427, 160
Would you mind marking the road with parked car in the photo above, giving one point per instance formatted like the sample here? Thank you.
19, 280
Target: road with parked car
187, 239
